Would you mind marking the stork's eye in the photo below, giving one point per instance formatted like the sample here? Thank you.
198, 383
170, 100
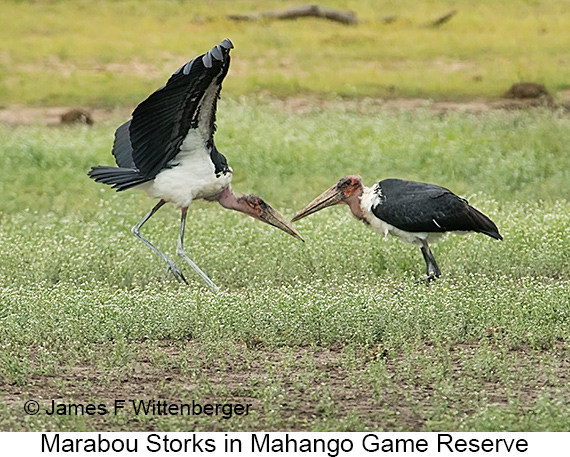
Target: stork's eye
349, 184
254, 202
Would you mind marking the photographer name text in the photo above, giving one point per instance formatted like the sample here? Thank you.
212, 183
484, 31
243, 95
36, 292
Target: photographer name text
140, 408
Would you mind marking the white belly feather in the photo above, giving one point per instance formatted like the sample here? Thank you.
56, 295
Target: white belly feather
191, 175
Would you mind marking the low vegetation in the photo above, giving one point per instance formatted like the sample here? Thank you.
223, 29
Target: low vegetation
331, 334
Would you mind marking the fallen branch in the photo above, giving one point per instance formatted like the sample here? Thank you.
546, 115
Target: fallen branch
343, 16
443, 19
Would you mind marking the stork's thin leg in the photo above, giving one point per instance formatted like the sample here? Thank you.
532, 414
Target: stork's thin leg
136, 232
181, 253
433, 271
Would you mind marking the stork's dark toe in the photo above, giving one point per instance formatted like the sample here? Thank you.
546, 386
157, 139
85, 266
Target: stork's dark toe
176, 273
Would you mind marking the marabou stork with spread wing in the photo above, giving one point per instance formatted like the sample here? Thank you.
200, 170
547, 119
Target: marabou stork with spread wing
167, 150
416, 212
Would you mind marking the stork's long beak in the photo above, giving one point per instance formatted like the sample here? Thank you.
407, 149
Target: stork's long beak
328, 198
274, 218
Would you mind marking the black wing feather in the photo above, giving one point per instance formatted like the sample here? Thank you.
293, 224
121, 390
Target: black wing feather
160, 123
420, 207
122, 148
118, 178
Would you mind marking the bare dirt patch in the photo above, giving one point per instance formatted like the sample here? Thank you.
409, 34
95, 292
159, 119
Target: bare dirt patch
296, 388
52, 116
302, 105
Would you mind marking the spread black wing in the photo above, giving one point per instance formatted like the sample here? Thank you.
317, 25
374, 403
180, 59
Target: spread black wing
146, 143
419, 207
187, 101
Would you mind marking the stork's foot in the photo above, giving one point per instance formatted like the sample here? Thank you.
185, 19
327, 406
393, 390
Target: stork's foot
427, 281
204, 276
176, 272
432, 277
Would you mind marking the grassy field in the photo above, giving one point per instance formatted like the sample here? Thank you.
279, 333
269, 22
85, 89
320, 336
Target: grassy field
331, 334
106, 53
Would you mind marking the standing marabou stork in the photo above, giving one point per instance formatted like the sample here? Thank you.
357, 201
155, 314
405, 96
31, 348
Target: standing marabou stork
167, 150
416, 212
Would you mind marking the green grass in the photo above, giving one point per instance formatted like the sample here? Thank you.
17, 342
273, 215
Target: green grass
331, 334
55, 53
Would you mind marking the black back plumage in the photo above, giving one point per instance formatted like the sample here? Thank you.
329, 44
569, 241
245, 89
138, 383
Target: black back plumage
152, 137
420, 207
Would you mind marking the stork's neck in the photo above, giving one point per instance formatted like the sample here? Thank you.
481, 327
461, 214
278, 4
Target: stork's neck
243, 204
227, 199
354, 202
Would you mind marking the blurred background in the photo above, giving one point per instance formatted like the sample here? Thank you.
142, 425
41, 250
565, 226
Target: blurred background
109, 53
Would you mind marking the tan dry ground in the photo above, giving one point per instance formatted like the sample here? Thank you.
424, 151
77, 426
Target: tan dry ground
300, 379
25, 115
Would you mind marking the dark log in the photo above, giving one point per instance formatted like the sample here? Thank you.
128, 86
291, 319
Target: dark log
76, 116
527, 90
443, 19
344, 16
